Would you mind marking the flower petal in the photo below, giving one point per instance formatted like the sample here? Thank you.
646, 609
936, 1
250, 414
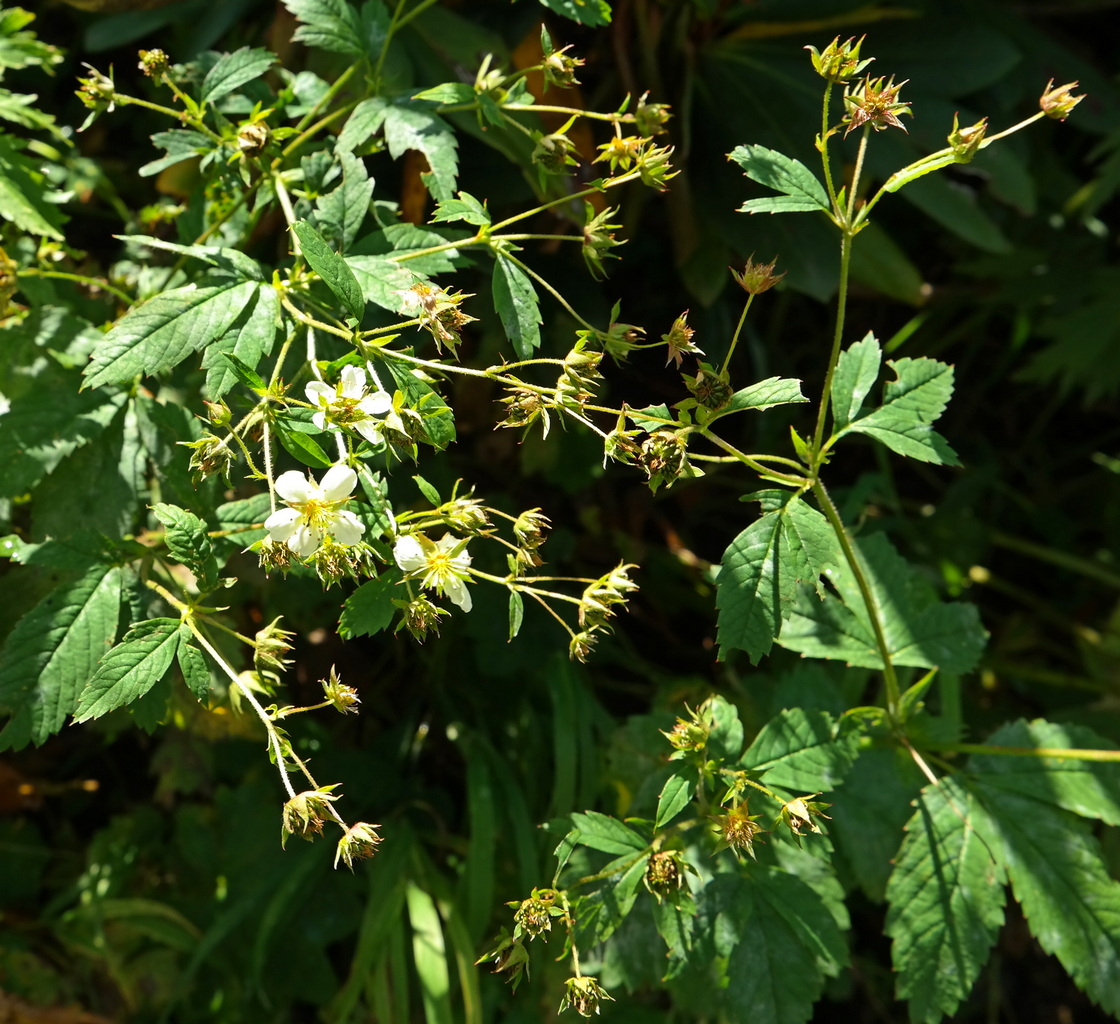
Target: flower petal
353, 382
295, 488
458, 593
338, 483
320, 394
282, 523
377, 403
368, 430
306, 540
409, 554
346, 528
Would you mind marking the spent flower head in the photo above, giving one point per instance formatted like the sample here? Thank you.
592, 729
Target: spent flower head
442, 565
598, 239
269, 647
756, 278
874, 101
315, 511
679, 340
664, 877
689, 734
839, 61
437, 311
737, 830
343, 698
709, 387
800, 813
533, 917
360, 842
510, 957
583, 995
210, 456
306, 812
1059, 102
420, 617
560, 69
98, 93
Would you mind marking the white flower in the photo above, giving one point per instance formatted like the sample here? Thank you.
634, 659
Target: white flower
350, 404
441, 566
314, 511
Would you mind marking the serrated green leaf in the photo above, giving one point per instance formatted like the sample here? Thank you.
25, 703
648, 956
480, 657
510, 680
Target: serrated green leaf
42, 427
179, 144
370, 608
187, 540
675, 795
130, 669
602, 832
22, 194
365, 121
234, 70
465, 208
920, 630
725, 736
765, 394
192, 663
302, 447
910, 405
341, 213
382, 280
593, 13
448, 94
599, 913
782, 174
763, 572
233, 261
331, 267
652, 417
235, 516
867, 831
780, 204
779, 939
1058, 875
234, 356
857, 369
337, 26
161, 333
802, 751
53, 651
1088, 788
20, 108
515, 301
20, 49
417, 128
946, 897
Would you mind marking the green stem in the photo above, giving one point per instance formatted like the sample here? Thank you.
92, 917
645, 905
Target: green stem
749, 460
735, 336
826, 160
837, 339
1066, 753
93, 282
890, 678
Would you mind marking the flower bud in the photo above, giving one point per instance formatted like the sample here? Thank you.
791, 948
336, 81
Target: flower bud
270, 646
1059, 103
218, 413
839, 62
799, 813
560, 69
965, 142
651, 118
553, 153
153, 62
529, 529
252, 138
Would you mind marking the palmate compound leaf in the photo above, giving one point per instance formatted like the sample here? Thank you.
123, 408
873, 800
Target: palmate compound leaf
161, 333
764, 570
780, 941
1058, 875
131, 668
53, 651
920, 630
946, 897
911, 403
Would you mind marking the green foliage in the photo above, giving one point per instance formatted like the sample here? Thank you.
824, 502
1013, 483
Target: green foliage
253, 503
